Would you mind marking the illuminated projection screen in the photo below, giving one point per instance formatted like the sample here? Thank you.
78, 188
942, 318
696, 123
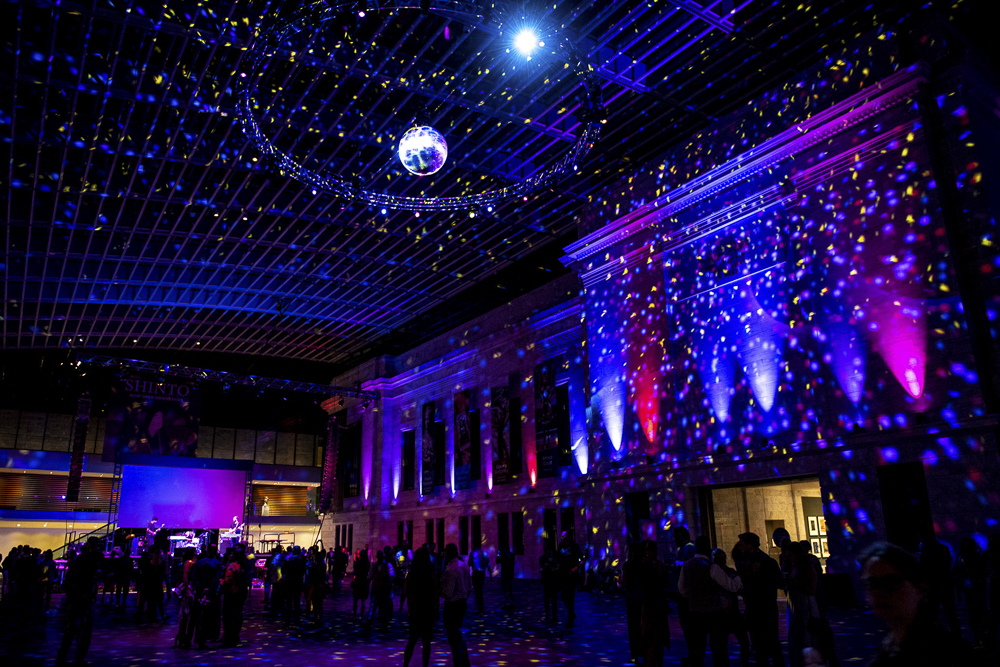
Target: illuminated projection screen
180, 497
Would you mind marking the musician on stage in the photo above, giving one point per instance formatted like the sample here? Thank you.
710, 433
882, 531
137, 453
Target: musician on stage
151, 529
236, 526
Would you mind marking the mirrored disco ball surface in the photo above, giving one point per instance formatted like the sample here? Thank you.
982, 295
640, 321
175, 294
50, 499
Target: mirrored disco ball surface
423, 150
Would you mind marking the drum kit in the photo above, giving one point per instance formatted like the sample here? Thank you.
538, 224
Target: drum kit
188, 539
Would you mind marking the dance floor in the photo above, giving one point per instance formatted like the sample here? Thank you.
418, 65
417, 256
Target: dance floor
496, 638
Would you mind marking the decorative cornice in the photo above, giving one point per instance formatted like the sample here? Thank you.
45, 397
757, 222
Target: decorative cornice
710, 224
390, 388
855, 109
560, 342
388, 385
626, 262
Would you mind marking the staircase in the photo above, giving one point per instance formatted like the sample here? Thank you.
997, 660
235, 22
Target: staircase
73, 538
113, 498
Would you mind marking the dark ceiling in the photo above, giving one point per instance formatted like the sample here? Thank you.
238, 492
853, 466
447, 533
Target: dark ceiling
138, 221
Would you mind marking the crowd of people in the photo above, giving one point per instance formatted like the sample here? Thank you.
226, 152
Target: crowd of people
914, 597
715, 595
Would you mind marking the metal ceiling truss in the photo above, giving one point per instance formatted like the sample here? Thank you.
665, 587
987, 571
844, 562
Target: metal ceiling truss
137, 218
204, 374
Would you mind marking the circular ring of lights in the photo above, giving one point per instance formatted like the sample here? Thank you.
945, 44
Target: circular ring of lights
272, 36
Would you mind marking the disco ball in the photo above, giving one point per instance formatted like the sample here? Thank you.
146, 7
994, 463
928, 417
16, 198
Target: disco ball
423, 150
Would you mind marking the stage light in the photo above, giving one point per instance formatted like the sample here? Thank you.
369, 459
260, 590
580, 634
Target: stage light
526, 41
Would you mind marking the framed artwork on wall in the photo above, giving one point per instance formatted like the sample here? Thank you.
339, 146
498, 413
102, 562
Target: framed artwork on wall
813, 527
825, 548
822, 525
816, 547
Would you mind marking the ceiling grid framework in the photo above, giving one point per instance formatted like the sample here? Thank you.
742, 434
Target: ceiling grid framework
139, 217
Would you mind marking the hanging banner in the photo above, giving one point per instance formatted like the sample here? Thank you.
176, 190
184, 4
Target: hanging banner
500, 420
152, 415
546, 423
463, 440
427, 449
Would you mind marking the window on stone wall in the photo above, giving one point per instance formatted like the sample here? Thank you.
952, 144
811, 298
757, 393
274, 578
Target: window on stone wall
351, 456
409, 460
476, 453
567, 521
905, 504
429, 532
477, 533
562, 423
549, 528
503, 532
517, 532
516, 456
463, 535
409, 534
440, 535
439, 447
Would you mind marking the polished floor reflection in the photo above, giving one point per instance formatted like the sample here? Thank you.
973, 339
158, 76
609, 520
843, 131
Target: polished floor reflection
496, 638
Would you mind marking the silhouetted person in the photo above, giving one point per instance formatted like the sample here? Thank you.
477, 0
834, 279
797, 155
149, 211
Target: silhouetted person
123, 579
992, 559
548, 568
570, 562
801, 584
234, 595
633, 584
341, 560
420, 591
685, 551
455, 586
316, 584
153, 577
108, 574
188, 605
936, 571
655, 628
293, 571
48, 576
971, 578
360, 583
734, 622
479, 560
381, 576
817, 566
80, 587
761, 578
207, 578
506, 561
702, 582
897, 595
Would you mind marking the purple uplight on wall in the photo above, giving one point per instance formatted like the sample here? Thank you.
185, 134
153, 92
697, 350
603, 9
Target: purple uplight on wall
761, 338
580, 454
612, 407
898, 329
847, 357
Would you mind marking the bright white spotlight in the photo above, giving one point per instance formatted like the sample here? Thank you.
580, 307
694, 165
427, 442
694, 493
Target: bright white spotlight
526, 41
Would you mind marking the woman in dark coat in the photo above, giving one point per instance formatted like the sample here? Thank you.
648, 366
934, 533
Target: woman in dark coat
898, 596
655, 609
632, 583
420, 591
